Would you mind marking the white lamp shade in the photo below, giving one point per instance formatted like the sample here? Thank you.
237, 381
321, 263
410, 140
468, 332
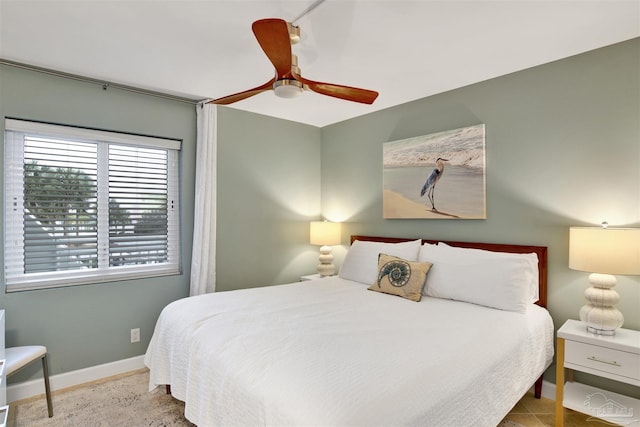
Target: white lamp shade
605, 250
325, 233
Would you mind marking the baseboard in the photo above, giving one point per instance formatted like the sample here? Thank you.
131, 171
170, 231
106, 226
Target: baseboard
26, 389
548, 390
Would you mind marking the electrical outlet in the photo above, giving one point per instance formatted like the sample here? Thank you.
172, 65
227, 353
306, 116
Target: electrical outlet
135, 335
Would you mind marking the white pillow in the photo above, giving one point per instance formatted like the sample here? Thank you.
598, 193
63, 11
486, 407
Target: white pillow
361, 262
494, 279
531, 258
426, 250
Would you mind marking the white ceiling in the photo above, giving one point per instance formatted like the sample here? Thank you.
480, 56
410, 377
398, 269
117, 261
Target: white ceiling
405, 50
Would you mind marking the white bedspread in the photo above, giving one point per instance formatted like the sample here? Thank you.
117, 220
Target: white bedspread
331, 353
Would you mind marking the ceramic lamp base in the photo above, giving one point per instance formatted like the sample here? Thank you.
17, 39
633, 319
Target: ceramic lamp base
599, 315
325, 260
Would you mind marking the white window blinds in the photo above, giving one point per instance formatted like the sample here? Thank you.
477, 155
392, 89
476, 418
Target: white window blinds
85, 206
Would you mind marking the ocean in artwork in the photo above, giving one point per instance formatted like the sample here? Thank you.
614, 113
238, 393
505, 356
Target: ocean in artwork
460, 190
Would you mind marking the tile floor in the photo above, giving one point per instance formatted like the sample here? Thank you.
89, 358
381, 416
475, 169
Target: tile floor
532, 412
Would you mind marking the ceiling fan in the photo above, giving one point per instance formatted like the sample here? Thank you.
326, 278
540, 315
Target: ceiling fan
276, 36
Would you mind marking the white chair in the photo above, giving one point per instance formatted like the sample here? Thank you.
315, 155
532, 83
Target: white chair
19, 357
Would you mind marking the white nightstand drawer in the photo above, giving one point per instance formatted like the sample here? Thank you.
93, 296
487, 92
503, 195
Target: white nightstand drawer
603, 359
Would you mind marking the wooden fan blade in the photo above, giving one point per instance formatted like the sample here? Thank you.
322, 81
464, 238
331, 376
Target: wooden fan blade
348, 93
273, 36
230, 99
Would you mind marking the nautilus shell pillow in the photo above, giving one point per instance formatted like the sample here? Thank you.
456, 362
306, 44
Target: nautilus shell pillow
397, 276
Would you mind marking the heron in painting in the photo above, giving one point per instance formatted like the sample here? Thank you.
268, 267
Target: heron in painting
430, 185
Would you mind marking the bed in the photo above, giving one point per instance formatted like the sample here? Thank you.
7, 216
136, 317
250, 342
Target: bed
330, 352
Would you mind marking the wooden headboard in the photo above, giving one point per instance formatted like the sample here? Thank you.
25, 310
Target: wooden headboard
541, 251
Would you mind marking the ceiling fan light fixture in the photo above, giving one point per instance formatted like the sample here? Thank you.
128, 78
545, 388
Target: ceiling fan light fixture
288, 88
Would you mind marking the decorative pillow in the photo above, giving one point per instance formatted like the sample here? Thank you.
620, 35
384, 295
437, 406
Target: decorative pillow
400, 277
493, 279
361, 262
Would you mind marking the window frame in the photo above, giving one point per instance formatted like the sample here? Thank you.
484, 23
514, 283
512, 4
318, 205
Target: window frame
16, 280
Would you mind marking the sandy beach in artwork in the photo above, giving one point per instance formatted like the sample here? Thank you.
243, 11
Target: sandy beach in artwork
398, 206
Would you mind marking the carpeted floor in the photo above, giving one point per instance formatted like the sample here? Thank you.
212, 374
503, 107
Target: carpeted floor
124, 401
117, 401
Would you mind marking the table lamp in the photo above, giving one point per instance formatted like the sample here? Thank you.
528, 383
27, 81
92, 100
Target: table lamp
603, 252
325, 234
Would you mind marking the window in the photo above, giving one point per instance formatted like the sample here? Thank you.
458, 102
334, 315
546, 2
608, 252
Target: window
85, 206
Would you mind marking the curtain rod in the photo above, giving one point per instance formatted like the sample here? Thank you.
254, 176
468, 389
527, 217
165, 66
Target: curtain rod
105, 84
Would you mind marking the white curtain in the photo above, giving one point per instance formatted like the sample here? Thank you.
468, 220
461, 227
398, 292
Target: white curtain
203, 258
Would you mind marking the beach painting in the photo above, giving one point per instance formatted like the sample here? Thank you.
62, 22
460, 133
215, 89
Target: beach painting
441, 175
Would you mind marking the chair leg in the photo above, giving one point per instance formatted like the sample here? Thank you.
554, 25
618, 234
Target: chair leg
47, 388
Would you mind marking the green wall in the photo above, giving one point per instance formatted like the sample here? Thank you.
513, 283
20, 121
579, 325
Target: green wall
84, 326
268, 191
562, 149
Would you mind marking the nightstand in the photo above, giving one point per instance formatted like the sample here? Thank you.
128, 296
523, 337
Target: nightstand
615, 357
